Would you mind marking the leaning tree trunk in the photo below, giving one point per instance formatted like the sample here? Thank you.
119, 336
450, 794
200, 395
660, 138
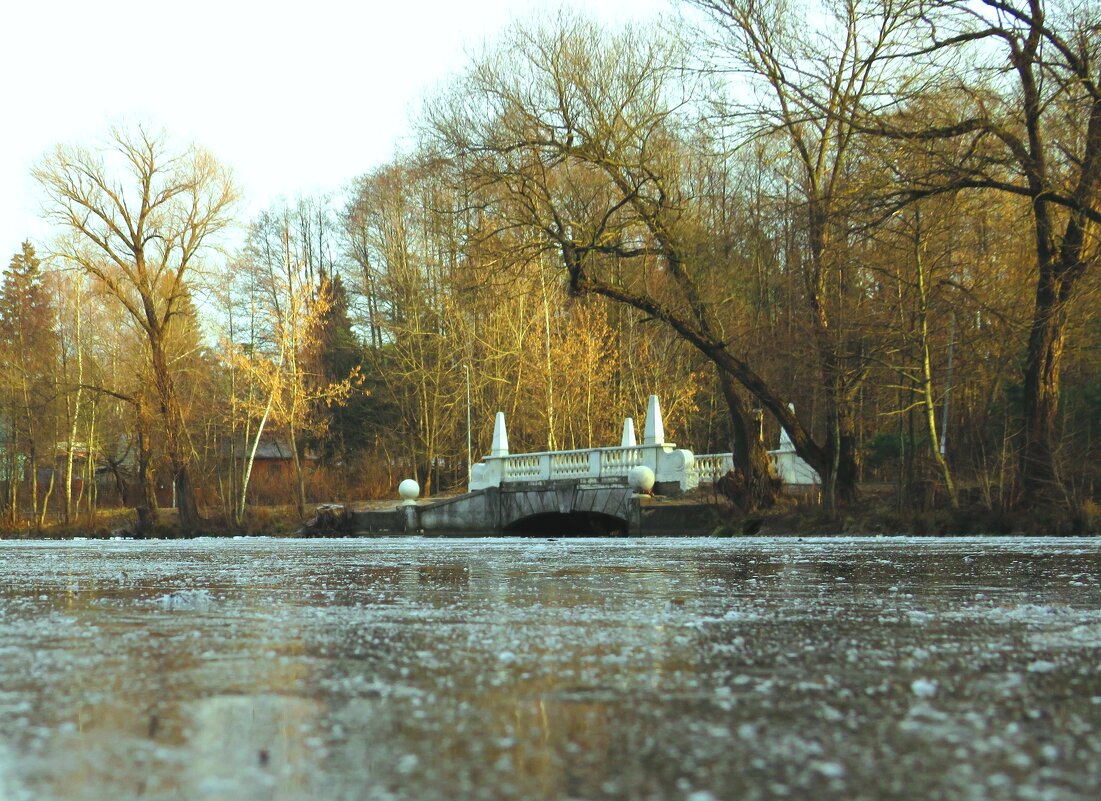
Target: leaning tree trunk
749, 454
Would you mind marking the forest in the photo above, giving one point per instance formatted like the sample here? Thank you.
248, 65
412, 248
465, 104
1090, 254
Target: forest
873, 224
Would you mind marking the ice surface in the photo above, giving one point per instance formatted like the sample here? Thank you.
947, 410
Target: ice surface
568, 669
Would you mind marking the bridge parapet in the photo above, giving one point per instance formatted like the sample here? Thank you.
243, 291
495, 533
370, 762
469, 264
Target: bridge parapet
785, 464
592, 465
710, 467
671, 466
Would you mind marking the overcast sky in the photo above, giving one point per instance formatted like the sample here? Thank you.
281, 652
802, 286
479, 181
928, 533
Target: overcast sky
298, 98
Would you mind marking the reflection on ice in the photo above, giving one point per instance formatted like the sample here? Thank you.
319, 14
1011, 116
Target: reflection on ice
487, 669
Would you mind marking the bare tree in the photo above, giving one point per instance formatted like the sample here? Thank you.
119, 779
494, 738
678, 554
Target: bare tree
142, 214
1024, 119
576, 138
285, 273
800, 81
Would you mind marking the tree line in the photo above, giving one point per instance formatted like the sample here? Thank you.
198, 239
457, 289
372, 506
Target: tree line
870, 223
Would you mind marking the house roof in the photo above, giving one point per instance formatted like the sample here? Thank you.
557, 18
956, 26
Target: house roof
271, 449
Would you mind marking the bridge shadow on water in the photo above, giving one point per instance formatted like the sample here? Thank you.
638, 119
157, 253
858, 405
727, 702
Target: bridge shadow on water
568, 524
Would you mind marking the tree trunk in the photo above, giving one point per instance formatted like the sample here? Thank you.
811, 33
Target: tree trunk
1039, 474
15, 475
74, 411
549, 400
846, 463
32, 462
840, 468
89, 483
147, 500
927, 398
40, 522
71, 444
187, 508
250, 458
299, 476
749, 454
841, 463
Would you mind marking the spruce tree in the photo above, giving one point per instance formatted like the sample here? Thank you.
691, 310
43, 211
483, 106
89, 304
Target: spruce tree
28, 342
340, 355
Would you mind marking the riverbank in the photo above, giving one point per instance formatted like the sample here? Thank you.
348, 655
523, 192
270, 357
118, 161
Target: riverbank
261, 521
879, 514
701, 513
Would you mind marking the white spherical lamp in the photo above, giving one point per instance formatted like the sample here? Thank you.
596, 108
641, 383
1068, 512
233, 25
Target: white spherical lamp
409, 490
641, 479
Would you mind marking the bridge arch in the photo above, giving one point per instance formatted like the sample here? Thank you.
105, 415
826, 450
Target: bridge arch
568, 524
563, 507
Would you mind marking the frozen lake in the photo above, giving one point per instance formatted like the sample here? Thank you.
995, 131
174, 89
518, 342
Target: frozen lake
694, 670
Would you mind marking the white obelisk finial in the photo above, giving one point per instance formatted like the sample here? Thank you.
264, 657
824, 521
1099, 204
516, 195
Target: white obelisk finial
500, 438
654, 433
628, 440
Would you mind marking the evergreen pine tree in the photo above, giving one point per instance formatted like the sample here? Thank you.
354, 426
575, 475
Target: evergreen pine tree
28, 343
340, 355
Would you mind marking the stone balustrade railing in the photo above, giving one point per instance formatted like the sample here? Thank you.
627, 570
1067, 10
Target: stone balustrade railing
786, 466
671, 465
710, 467
596, 465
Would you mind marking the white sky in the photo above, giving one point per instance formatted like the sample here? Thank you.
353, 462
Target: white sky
298, 98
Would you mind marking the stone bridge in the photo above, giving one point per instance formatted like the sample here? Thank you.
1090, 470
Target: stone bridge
597, 490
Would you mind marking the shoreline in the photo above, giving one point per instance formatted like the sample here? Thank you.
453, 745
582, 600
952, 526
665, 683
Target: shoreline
692, 517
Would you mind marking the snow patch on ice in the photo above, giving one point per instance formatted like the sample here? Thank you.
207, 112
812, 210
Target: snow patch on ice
923, 688
1086, 635
831, 770
186, 600
700, 795
1041, 666
10, 788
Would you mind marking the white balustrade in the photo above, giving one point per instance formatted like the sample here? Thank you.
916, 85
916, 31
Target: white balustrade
569, 464
710, 467
524, 467
611, 465
670, 464
619, 461
593, 464
785, 464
